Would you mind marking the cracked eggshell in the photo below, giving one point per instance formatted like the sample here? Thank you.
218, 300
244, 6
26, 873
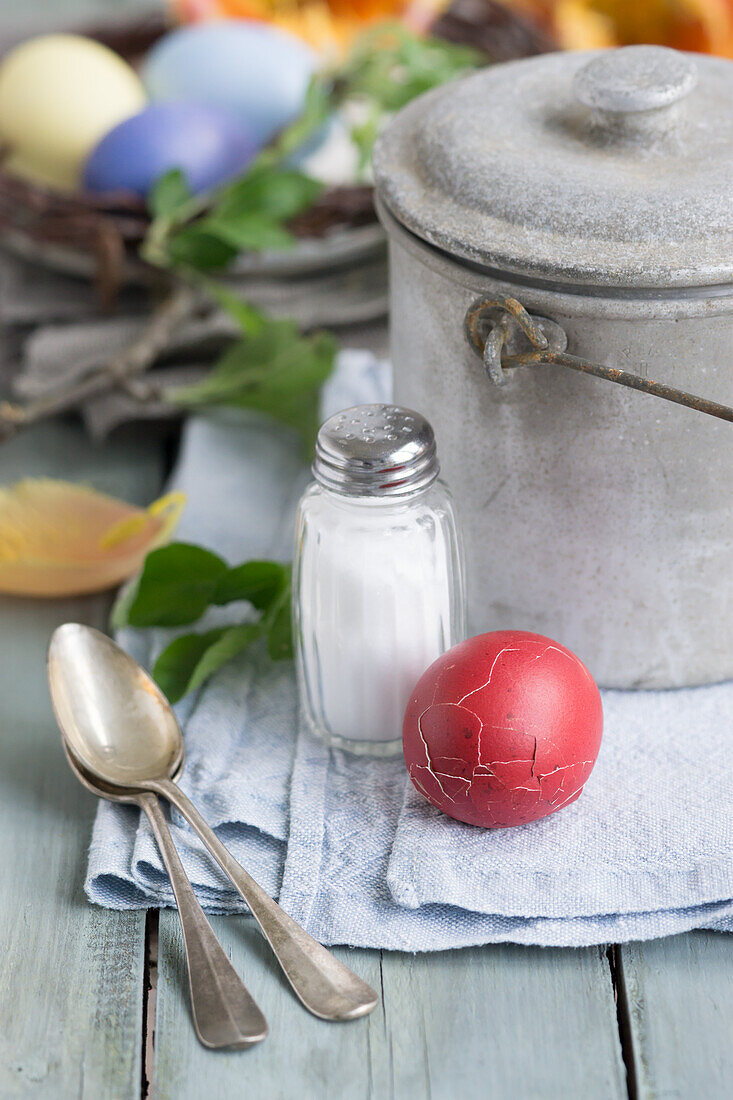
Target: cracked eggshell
503, 729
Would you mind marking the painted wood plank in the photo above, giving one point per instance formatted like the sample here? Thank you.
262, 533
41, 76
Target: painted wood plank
679, 999
303, 1056
503, 1021
71, 975
499, 1021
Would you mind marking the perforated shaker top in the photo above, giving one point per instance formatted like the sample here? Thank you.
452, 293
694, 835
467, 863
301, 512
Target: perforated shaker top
376, 450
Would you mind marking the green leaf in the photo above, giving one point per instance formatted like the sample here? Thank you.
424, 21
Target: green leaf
277, 194
120, 614
175, 666
249, 319
390, 65
275, 371
231, 642
191, 659
250, 232
259, 582
364, 137
194, 247
176, 586
320, 102
280, 628
247, 215
169, 194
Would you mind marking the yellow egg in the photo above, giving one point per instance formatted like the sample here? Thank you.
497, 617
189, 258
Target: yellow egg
59, 94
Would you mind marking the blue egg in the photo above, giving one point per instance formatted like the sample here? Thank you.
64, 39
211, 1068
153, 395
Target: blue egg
255, 70
208, 145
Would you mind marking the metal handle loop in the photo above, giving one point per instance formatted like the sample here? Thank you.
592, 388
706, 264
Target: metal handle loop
492, 352
497, 327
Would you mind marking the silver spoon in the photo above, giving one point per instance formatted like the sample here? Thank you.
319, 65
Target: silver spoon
122, 730
224, 1013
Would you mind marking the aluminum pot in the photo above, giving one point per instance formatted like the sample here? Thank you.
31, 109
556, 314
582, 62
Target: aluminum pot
576, 211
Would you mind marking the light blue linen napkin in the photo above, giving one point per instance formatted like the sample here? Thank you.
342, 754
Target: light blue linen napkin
354, 853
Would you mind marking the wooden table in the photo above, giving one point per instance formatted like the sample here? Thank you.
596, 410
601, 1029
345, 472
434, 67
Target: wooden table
93, 1003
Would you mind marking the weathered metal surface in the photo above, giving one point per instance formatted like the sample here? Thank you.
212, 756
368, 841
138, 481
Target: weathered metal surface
590, 514
492, 344
513, 168
594, 190
639, 78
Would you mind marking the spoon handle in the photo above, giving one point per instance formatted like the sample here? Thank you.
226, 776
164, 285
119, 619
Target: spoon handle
224, 1013
325, 986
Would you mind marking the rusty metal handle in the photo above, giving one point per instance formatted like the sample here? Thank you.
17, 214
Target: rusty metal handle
497, 327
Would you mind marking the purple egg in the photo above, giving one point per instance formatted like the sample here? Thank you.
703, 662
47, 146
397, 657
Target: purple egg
208, 144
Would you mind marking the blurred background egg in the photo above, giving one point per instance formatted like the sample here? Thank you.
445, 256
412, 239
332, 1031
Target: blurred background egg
58, 95
208, 144
255, 70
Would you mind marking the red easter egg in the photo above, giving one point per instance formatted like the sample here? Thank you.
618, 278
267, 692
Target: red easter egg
503, 729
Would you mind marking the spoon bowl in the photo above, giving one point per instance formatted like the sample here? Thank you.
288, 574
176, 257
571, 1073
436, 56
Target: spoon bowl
116, 720
129, 795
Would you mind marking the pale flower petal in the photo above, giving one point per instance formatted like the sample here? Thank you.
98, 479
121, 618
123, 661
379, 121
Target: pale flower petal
61, 539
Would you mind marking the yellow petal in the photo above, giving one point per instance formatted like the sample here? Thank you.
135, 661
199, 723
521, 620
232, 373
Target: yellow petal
61, 539
579, 27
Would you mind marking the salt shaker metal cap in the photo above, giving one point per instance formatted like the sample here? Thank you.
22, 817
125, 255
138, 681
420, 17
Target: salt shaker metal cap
376, 450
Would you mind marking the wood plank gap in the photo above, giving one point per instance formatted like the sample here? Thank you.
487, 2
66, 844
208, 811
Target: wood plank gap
150, 990
381, 988
387, 1035
623, 1019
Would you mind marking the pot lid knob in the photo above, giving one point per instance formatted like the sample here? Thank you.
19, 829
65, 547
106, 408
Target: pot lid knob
635, 78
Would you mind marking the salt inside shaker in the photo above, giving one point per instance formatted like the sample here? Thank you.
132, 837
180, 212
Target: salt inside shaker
378, 585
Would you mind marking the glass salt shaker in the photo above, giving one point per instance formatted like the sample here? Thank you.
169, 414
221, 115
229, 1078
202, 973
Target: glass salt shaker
378, 589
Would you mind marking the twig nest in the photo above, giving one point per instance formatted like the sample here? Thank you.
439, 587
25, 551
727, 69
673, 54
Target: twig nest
503, 729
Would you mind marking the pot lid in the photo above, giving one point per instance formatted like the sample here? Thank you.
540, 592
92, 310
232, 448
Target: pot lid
611, 168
